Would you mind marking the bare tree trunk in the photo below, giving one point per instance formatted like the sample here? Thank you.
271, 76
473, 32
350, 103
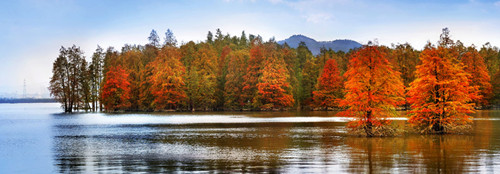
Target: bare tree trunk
368, 127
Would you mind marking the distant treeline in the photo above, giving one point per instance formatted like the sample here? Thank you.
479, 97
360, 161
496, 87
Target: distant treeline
27, 100
227, 72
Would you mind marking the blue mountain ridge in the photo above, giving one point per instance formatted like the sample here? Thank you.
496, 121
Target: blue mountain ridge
315, 46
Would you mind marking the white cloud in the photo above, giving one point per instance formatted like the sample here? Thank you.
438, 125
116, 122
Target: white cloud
276, 1
497, 3
316, 11
240, 0
318, 17
418, 33
312, 11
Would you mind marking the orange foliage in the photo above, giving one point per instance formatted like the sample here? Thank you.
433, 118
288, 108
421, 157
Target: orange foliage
329, 86
131, 63
233, 95
167, 82
222, 60
253, 70
446, 154
221, 76
373, 89
116, 91
273, 87
474, 65
441, 93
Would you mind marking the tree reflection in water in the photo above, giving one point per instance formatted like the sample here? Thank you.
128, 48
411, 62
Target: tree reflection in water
269, 147
422, 153
206, 147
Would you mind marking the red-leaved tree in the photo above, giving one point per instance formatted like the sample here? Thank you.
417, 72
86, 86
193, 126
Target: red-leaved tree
373, 89
116, 91
274, 91
330, 85
440, 96
167, 82
253, 73
474, 65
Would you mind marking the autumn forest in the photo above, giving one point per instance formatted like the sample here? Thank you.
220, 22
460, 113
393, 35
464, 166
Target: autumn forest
439, 85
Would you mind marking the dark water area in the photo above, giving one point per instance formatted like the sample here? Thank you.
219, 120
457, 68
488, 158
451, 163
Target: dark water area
36, 138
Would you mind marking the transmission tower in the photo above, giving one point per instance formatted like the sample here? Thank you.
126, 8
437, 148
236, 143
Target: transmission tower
24, 89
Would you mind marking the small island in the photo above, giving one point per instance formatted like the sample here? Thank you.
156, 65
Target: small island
439, 85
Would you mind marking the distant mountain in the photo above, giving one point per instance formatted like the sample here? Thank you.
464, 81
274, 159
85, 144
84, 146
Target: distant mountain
27, 100
315, 46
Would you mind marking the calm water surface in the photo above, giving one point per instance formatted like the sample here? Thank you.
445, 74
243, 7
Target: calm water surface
36, 138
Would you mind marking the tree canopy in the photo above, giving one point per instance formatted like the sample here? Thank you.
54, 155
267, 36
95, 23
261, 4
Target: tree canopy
373, 89
442, 92
244, 72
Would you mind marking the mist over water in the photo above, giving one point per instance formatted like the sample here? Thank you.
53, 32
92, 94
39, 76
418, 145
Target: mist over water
35, 138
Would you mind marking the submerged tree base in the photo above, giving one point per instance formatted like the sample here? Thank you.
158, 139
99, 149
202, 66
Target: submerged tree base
377, 131
446, 129
393, 131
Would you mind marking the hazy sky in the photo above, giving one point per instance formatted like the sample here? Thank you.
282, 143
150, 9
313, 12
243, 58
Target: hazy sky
32, 31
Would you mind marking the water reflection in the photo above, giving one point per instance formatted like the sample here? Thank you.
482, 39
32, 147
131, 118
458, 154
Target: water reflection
205, 147
305, 146
426, 153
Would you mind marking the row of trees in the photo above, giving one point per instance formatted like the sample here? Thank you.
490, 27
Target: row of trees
245, 73
70, 80
449, 81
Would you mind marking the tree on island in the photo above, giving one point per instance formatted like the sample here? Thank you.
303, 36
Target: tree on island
373, 91
441, 94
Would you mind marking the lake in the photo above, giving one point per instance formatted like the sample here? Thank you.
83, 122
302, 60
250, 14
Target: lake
37, 138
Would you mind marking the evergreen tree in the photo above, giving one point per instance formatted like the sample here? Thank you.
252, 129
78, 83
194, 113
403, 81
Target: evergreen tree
233, 89
170, 38
210, 37
96, 68
154, 39
304, 83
